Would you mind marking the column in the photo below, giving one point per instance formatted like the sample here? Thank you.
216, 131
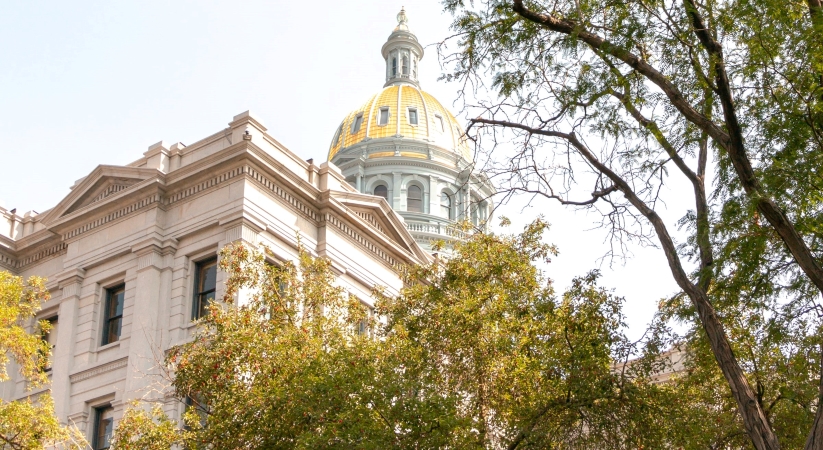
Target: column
396, 195
63, 358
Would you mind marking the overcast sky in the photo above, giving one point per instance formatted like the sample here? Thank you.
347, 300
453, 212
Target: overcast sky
86, 83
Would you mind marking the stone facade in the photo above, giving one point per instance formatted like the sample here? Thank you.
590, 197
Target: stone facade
145, 226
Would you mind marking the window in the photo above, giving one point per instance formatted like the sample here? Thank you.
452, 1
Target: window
358, 121
414, 199
113, 314
446, 206
394, 67
204, 286
381, 191
438, 119
405, 65
200, 408
414, 68
103, 426
383, 117
337, 136
413, 116
51, 339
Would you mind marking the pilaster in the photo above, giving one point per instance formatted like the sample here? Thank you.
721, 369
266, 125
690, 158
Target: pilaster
70, 282
149, 317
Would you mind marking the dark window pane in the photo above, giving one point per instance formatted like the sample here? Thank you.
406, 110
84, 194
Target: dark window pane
384, 116
413, 116
205, 285
393, 66
358, 121
414, 199
382, 191
103, 426
115, 298
113, 330
209, 280
405, 65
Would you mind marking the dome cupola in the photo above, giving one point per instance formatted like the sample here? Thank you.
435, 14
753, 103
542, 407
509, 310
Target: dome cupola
405, 146
402, 53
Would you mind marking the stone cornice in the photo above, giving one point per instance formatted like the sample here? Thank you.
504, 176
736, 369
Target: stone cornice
99, 369
244, 160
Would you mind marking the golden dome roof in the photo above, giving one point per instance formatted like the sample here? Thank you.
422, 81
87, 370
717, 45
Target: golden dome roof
435, 124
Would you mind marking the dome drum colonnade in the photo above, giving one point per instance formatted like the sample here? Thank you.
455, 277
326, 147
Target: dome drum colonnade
403, 145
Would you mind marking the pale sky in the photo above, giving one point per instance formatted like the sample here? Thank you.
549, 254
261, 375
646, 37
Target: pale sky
85, 83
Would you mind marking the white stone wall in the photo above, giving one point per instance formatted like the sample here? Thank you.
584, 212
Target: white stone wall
146, 225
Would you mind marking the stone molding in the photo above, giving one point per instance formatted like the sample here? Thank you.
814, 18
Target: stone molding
293, 202
242, 232
45, 252
122, 212
211, 182
97, 370
296, 204
369, 217
359, 239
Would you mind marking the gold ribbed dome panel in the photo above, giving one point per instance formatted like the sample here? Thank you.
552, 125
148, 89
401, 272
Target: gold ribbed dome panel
398, 99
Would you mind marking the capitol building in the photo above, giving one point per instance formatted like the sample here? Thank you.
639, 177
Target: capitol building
130, 253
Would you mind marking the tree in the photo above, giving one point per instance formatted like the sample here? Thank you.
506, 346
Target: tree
28, 424
475, 352
622, 97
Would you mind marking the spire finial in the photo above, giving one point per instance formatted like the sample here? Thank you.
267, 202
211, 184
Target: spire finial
402, 20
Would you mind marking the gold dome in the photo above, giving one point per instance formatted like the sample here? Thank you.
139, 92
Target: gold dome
435, 124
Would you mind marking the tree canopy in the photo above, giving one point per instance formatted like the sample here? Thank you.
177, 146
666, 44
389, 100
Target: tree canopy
602, 105
30, 423
477, 351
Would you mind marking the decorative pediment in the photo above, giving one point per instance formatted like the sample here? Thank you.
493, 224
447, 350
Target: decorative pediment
379, 216
105, 187
102, 183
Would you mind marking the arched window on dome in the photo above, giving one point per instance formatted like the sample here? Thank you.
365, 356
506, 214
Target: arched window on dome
394, 66
446, 206
414, 199
382, 191
405, 65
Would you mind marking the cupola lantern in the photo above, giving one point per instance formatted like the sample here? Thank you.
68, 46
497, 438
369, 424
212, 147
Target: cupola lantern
402, 53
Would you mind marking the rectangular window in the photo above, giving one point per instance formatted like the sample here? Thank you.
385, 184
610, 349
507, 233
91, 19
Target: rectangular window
51, 339
113, 314
103, 427
439, 121
200, 408
413, 116
204, 286
358, 121
383, 117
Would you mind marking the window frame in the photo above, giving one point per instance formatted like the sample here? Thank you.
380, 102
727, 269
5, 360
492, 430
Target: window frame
53, 320
99, 411
380, 112
357, 123
438, 120
408, 198
108, 318
447, 208
411, 110
198, 310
